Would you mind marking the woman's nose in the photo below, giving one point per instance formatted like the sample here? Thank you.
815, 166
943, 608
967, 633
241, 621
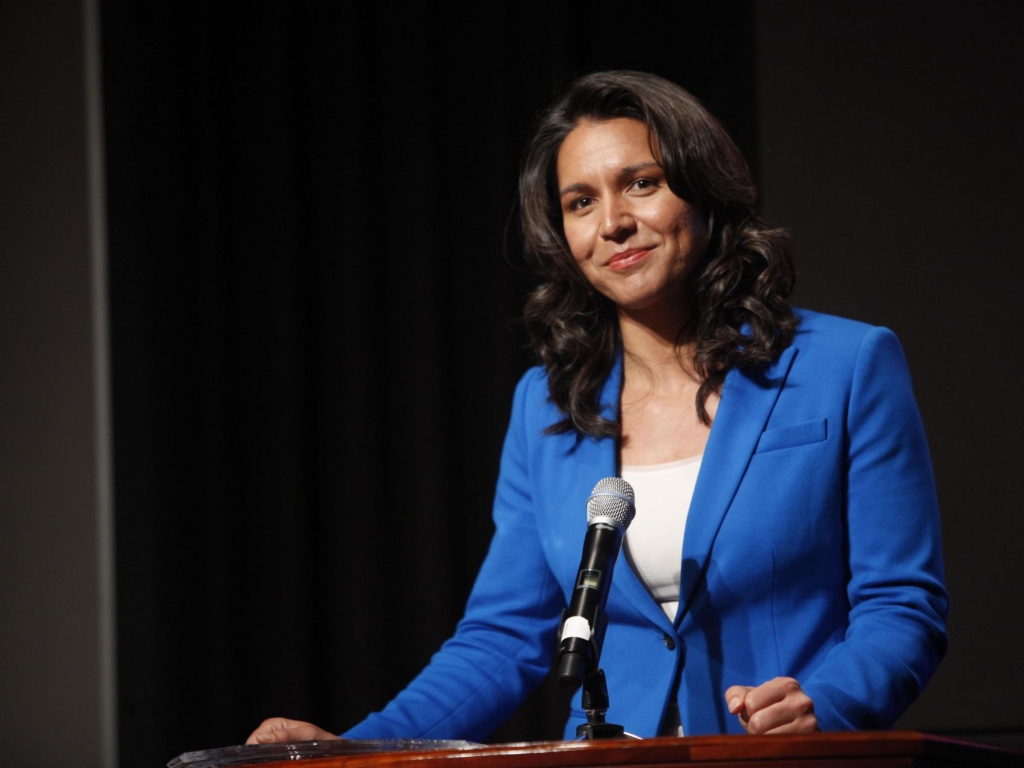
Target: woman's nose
617, 221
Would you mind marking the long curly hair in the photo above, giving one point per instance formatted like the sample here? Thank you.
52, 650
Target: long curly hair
741, 316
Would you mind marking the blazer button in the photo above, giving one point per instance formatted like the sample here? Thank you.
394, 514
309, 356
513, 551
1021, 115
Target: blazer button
669, 642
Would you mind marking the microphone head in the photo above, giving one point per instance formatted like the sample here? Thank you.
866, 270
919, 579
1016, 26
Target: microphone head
612, 501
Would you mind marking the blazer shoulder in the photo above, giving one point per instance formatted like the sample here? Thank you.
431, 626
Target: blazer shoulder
833, 348
532, 402
532, 388
828, 329
837, 337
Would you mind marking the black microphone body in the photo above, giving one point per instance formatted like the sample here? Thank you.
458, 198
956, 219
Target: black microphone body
610, 510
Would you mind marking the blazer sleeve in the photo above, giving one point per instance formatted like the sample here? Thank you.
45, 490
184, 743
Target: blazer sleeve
898, 603
502, 647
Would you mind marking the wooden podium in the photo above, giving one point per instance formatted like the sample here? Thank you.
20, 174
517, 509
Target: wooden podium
878, 749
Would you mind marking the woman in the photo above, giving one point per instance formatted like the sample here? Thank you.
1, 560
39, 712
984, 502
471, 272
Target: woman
781, 451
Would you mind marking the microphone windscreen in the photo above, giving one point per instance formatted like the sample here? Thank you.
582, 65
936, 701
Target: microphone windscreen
612, 501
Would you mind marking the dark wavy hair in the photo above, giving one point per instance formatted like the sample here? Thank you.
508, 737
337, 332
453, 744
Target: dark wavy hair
741, 317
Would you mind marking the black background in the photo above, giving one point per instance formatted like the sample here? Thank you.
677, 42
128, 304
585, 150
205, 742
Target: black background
315, 289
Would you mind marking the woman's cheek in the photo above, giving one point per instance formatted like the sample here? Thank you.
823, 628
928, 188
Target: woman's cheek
576, 239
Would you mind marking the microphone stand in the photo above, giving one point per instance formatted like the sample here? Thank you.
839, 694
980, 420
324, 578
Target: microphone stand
595, 704
610, 509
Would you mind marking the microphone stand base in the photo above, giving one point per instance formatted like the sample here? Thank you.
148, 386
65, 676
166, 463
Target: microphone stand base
593, 731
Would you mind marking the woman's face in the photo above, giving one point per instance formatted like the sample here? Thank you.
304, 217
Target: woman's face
636, 242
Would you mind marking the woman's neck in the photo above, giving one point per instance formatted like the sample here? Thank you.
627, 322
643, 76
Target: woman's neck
659, 344
657, 405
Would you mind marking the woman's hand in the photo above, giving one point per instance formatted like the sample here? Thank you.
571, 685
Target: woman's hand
778, 706
279, 729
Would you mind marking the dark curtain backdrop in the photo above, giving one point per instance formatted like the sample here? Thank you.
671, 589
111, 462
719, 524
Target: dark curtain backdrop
314, 305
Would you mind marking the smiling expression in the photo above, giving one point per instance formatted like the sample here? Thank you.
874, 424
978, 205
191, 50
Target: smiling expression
633, 238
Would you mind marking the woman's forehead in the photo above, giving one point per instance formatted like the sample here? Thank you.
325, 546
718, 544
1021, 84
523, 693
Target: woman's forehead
600, 146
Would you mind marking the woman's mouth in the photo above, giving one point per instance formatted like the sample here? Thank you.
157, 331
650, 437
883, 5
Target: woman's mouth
626, 259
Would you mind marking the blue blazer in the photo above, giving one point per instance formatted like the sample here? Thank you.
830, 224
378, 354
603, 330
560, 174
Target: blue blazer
811, 551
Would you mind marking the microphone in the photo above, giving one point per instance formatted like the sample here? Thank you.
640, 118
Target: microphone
610, 509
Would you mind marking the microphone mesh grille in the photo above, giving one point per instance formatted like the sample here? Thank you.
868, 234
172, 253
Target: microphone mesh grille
606, 502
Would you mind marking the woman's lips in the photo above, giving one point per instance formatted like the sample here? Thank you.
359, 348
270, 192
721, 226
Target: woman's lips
626, 259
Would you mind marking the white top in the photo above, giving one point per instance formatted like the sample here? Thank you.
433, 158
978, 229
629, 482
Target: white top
654, 540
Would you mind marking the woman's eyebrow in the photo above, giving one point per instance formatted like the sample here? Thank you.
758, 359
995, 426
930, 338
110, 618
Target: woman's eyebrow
629, 170
579, 186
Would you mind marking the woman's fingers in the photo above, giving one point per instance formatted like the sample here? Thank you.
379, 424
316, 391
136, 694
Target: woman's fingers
279, 730
778, 706
734, 696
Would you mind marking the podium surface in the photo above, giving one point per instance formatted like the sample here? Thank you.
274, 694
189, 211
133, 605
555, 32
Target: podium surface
878, 749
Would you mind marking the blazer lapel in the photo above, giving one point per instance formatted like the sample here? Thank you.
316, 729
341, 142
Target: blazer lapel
746, 403
629, 584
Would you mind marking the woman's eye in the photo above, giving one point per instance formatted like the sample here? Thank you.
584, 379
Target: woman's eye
580, 203
643, 185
